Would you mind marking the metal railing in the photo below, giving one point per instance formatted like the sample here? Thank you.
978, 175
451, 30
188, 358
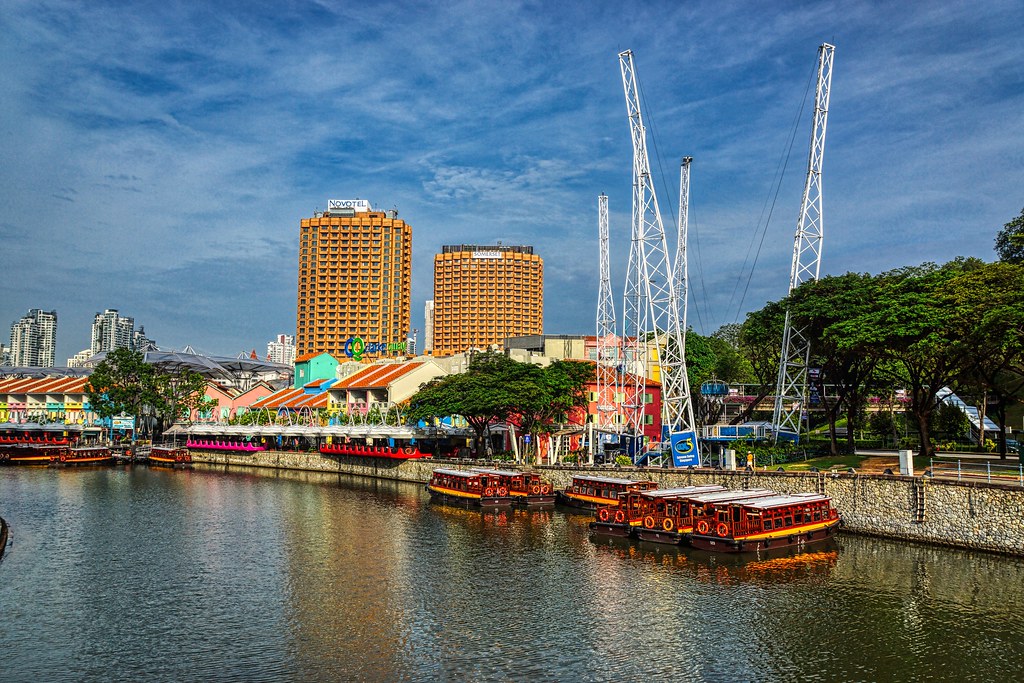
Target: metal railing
973, 470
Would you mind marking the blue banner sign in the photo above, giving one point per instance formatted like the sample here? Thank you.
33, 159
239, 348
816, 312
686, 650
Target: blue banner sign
684, 449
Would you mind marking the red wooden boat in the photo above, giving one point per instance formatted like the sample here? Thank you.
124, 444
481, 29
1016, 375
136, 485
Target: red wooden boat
171, 456
26, 454
622, 519
776, 522
526, 488
363, 451
672, 521
476, 489
592, 492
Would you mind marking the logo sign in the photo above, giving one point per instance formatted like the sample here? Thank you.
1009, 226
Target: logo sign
487, 254
122, 422
358, 205
355, 348
684, 449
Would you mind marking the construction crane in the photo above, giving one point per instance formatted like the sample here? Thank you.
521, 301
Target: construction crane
607, 346
651, 330
791, 385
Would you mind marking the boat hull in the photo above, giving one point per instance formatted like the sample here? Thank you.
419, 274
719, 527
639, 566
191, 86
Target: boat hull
468, 500
797, 538
618, 529
660, 536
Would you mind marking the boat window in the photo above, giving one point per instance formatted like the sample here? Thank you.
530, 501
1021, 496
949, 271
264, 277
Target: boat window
736, 512
817, 515
807, 516
789, 520
767, 523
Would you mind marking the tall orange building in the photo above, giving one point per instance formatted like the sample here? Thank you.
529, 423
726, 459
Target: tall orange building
355, 273
484, 294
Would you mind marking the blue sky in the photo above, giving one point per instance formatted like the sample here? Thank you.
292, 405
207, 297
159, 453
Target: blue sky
157, 157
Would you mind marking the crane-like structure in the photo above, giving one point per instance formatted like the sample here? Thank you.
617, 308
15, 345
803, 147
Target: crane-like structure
652, 330
607, 349
791, 385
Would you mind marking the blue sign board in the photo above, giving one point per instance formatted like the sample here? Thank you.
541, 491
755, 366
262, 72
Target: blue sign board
684, 449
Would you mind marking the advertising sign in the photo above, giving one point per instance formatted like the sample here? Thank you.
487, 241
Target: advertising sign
355, 347
487, 254
358, 205
684, 449
122, 422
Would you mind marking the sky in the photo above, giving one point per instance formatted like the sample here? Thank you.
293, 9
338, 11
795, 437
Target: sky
158, 157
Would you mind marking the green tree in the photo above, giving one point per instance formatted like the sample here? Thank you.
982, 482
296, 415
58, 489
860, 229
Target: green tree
122, 384
1010, 240
175, 396
760, 340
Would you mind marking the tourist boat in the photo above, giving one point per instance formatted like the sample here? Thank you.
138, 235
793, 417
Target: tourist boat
767, 523
364, 451
526, 488
26, 454
169, 455
621, 519
478, 489
671, 520
592, 492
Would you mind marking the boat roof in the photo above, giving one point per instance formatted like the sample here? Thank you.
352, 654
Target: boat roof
730, 495
608, 480
784, 500
685, 491
502, 473
456, 473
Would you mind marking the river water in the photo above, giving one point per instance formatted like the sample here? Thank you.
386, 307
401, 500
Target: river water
138, 574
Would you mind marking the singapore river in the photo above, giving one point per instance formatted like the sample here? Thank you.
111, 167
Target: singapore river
138, 574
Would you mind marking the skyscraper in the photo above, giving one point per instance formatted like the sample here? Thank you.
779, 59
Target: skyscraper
34, 339
355, 274
428, 326
483, 294
112, 331
282, 349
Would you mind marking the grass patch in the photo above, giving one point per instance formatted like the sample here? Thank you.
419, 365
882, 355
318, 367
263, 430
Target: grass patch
825, 463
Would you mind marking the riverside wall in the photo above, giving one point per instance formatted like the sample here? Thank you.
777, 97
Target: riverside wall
962, 514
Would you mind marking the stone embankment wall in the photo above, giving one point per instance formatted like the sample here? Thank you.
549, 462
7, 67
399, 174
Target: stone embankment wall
963, 514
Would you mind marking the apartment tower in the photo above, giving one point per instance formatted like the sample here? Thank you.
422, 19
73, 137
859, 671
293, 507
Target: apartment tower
483, 294
355, 273
34, 339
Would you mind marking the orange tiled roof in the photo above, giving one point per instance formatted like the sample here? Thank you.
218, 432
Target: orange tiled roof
376, 376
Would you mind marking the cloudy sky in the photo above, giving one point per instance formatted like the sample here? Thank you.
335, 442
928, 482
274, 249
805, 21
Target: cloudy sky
157, 157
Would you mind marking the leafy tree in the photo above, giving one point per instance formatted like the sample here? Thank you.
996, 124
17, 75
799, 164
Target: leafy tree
175, 396
122, 384
951, 422
1010, 240
760, 340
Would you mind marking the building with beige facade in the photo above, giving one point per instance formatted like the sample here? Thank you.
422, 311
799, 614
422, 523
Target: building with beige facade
484, 294
355, 273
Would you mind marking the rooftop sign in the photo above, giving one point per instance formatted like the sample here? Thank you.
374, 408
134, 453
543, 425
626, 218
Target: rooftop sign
487, 254
357, 205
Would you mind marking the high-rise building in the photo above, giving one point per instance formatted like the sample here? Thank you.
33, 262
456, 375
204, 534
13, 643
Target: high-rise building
355, 275
111, 331
34, 339
428, 326
483, 294
80, 359
142, 343
282, 349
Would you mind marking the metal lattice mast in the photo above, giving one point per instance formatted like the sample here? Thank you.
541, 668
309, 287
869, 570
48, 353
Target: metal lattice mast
651, 314
607, 354
680, 280
791, 386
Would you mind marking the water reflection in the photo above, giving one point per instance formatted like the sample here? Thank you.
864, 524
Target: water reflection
268, 575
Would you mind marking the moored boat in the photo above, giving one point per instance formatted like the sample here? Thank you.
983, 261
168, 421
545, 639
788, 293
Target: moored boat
671, 520
622, 519
172, 456
527, 489
767, 523
29, 454
477, 489
591, 492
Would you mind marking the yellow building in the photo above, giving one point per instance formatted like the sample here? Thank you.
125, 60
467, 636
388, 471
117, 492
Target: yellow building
483, 294
355, 272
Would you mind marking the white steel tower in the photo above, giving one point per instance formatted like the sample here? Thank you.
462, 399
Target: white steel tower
651, 310
607, 346
791, 386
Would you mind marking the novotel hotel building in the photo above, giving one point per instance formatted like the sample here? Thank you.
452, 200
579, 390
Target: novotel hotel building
355, 272
483, 294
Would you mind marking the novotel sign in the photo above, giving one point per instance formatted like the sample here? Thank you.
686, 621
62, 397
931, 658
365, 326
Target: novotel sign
357, 205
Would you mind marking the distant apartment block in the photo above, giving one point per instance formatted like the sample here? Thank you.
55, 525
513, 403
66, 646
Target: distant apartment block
34, 339
428, 326
282, 349
485, 294
355, 274
80, 359
110, 331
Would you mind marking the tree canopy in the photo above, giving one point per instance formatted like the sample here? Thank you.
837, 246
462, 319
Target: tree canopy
1010, 240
